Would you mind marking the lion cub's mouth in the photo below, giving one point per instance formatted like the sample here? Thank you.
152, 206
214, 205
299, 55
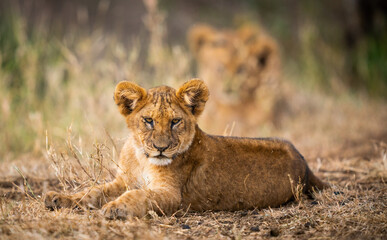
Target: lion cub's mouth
160, 156
160, 160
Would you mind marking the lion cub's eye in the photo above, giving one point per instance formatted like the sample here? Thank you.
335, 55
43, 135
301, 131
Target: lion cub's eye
175, 121
148, 120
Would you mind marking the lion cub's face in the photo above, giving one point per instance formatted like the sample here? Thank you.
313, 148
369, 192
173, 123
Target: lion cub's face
161, 120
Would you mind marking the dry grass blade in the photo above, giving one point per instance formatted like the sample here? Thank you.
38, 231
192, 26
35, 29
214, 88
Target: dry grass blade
26, 184
75, 151
297, 189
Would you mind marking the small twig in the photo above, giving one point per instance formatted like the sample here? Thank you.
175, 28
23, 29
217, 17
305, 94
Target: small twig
189, 206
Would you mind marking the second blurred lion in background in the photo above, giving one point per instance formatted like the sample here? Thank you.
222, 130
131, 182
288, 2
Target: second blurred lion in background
242, 69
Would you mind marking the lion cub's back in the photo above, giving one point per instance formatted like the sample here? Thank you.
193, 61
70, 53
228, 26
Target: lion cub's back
240, 173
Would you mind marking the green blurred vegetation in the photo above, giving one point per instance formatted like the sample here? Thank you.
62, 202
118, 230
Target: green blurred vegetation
24, 62
51, 79
42, 80
331, 45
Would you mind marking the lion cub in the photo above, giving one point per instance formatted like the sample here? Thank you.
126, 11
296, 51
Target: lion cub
168, 162
241, 67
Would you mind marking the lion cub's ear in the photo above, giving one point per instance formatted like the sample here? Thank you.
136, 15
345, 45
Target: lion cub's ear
249, 33
127, 96
197, 36
265, 51
194, 94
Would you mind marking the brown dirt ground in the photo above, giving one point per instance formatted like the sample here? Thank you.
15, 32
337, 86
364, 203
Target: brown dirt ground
355, 207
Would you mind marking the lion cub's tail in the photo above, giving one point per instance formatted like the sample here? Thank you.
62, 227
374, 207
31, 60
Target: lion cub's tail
313, 183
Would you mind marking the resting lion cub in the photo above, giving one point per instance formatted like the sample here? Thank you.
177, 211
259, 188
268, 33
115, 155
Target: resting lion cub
168, 162
242, 69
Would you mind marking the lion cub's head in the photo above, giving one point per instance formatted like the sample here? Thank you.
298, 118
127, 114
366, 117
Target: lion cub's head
161, 120
235, 63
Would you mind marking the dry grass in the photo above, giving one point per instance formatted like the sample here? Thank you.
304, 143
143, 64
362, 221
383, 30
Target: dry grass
354, 208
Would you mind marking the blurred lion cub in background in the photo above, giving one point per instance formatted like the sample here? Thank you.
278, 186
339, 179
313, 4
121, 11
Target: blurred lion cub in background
241, 68
168, 162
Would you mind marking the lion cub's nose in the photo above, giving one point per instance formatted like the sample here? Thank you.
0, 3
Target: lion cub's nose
161, 149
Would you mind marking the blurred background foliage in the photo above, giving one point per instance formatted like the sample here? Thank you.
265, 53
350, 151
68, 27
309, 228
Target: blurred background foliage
60, 60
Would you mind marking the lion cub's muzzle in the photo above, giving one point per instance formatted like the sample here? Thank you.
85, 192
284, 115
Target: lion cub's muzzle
161, 155
161, 149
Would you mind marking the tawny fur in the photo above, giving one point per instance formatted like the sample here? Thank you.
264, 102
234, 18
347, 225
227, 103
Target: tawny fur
242, 70
168, 162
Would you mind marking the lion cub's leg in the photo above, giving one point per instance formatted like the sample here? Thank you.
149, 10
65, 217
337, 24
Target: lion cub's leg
93, 197
136, 203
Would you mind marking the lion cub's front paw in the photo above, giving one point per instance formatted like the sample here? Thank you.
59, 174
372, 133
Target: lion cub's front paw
116, 210
54, 200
